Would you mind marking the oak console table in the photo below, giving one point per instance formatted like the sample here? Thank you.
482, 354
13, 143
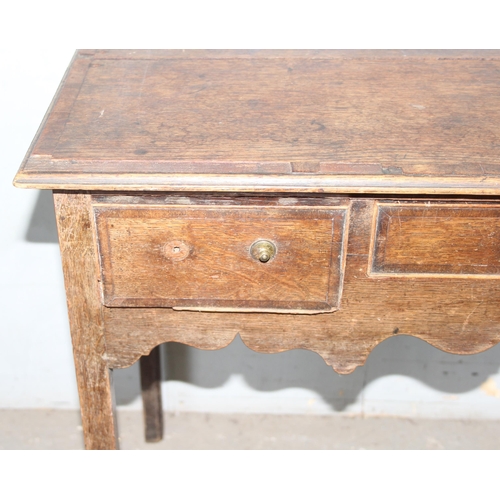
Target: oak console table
322, 200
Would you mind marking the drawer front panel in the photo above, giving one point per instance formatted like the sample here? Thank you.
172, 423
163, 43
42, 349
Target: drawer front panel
199, 257
455, 240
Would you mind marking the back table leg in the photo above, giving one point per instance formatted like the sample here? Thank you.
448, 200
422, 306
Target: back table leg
151, 395
81, 278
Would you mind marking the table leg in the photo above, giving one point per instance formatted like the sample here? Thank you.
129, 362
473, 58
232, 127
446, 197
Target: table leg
151, 395
81, 277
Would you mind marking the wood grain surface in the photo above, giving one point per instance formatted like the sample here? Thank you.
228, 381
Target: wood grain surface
458, 239
285, 120
457, 314
199, 257
81, 276
150, 368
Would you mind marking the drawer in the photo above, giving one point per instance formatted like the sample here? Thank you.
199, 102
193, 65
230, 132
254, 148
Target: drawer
221, 258
441, 239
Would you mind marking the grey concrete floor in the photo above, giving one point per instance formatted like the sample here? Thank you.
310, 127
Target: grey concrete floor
61, 430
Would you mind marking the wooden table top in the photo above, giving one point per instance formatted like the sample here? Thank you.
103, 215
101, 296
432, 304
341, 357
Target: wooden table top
409, 122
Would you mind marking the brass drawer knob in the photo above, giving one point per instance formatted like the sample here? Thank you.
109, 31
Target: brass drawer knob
263, 250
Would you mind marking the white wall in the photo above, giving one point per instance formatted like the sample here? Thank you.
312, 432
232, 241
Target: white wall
403, 376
